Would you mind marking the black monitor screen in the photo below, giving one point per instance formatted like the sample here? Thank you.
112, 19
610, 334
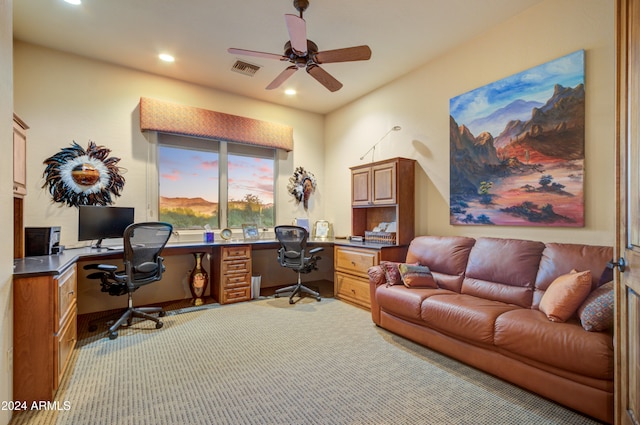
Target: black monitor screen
97, 223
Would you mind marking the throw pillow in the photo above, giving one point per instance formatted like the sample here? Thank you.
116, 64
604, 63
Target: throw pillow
565, 294
596, 313
416, 276
391, 272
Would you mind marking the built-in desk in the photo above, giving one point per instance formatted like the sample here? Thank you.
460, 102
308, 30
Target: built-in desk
45, 293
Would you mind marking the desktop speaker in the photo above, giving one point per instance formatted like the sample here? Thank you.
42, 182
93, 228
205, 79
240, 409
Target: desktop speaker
41, 241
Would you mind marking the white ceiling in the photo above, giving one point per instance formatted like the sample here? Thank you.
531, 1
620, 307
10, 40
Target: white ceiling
402, 34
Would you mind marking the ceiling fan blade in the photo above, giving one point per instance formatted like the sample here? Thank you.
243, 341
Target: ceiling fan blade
324, 78
348, 54
257, 54
297, 28
282, 77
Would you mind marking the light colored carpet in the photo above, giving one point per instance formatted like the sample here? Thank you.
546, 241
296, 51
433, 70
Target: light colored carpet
268, 362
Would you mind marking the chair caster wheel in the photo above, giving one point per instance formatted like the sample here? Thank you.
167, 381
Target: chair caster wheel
113, 335
162, 314
276, 296
159, 325
93, 328
318, 299
291, 301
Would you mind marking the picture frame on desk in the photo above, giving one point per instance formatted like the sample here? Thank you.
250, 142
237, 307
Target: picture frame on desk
250, 231
322, 229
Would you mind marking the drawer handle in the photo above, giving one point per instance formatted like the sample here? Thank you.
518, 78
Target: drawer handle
71, 292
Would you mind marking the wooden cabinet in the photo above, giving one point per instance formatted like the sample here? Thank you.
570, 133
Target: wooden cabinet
44, 333
233, 282
19, 157
19, 183
351, 280
383, 192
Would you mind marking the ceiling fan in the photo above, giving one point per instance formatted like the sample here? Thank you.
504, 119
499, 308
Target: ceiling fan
303, 53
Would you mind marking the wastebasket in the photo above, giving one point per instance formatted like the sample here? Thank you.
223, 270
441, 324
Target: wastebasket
255, 287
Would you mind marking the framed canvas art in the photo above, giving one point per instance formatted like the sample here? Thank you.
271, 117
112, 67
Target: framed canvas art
517, 149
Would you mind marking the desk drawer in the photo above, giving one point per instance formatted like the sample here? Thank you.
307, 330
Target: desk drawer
236, 266
236, 280
64, 344
67, 294
236, 295
236, 252
353, 289
356, 261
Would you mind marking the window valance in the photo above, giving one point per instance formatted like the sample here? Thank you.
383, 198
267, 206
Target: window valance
168, 117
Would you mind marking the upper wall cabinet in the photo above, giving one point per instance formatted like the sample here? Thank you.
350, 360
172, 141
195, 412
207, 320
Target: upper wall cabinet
383, 192
19, 157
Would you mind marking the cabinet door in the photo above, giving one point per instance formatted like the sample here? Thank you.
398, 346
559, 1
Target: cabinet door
361, 187
19, 160
384, 183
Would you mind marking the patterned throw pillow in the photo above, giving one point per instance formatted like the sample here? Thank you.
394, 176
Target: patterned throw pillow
565, 294
416, 276
391, 272
596, 313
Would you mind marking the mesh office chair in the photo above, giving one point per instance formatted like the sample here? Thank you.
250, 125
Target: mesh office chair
143, 243
292, 254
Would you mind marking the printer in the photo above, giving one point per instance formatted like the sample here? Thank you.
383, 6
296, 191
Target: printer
41, 241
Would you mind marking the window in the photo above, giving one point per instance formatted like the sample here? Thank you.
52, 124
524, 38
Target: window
216, 183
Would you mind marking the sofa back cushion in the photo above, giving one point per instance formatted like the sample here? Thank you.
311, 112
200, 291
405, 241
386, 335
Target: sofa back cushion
560, 258
446, 257
503, 270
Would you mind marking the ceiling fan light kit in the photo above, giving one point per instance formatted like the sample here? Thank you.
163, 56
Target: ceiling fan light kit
303, 53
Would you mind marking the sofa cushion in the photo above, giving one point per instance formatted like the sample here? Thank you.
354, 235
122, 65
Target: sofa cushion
565, 294
503, 270
596, 312
391, 272
530, 334
415, 276
465, 316
446, 257
560, 258
405, 302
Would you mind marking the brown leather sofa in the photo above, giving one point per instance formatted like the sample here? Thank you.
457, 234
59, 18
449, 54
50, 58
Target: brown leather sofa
485, 313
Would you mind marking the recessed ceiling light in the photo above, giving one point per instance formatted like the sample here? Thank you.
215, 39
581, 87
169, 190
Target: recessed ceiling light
166, 57
74, 2
289, 92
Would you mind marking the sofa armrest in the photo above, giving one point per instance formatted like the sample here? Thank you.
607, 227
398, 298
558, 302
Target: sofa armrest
376, 275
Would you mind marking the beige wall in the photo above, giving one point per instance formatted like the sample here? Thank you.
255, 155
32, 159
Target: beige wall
419, 102
6, 199
65, 98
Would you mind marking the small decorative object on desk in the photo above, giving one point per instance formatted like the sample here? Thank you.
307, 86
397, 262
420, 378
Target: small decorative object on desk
385, 238
250, 231
322, 229
198, 280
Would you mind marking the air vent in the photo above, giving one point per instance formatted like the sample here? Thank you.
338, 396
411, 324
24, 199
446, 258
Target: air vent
245, 68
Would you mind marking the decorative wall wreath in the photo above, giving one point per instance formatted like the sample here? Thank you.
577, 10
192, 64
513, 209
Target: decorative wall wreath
78, 177
301, 185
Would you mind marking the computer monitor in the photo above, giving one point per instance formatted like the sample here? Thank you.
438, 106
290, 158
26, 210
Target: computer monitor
98, 223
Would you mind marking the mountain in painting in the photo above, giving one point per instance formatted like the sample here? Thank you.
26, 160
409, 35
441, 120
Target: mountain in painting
495, 122
555, 131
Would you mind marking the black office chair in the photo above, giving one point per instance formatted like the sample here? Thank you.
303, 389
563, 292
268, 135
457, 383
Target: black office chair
292, 254
143, 243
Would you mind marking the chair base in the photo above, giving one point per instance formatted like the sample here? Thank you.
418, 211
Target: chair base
128, 316
297, 289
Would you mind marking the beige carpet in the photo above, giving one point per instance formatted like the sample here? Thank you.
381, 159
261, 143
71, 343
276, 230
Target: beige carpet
268, 362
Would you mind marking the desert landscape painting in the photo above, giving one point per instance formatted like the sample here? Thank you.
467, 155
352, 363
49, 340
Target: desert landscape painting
517, 149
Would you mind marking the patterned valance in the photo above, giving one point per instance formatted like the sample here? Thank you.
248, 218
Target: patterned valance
167, 117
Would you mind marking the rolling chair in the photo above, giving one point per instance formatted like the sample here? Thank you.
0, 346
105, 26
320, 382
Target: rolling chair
143, 243
292, 254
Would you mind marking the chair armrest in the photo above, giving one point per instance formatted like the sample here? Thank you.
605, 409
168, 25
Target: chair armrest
110, 268
316, 249
376, 275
